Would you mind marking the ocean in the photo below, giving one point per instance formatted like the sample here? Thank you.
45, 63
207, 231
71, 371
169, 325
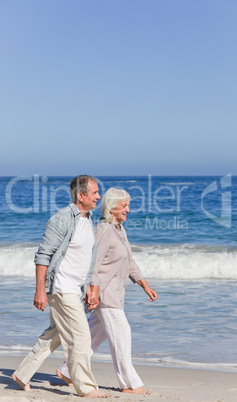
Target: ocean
183, 236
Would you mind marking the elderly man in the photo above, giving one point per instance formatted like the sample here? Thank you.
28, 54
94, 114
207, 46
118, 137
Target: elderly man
65, 258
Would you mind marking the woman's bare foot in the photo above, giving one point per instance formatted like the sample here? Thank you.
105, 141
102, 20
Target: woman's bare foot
25, 387
67, 380
139, 390
96, 394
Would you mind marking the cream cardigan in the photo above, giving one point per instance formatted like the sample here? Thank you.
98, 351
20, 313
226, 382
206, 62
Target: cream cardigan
114, 264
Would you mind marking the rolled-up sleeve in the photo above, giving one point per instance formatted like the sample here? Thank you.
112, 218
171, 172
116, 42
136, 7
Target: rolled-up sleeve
134, 272
52, 238
102, 233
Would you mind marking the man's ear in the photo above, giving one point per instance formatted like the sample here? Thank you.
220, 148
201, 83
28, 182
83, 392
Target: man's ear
79, 196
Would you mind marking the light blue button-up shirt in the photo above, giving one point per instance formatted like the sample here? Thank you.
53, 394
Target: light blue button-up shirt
59, 231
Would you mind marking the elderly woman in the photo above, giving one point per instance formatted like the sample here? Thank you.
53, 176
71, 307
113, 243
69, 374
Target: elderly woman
114, 265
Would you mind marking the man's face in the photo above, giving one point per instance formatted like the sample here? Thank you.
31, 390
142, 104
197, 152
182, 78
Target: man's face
88, 202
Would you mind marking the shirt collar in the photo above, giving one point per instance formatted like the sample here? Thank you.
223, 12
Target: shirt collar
116, 225
77, 211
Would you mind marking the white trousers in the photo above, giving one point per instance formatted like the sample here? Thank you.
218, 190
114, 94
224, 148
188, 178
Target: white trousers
69, 327
112, 324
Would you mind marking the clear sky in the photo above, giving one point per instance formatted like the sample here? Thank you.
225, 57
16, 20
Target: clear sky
118, 87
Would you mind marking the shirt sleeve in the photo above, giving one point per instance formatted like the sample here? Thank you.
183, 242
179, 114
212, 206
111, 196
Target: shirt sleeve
134, 271
102, 234
53, 237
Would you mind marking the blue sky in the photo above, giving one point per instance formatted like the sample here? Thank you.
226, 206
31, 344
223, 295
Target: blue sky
118, 87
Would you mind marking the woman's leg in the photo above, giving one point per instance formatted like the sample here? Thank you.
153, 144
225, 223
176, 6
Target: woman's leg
98, 334
118, 331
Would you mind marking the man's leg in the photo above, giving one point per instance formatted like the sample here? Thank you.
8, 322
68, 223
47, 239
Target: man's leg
46, 344
98, 336
70, 320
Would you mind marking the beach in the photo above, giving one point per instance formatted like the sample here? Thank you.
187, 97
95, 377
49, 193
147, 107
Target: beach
184, 345
165, 384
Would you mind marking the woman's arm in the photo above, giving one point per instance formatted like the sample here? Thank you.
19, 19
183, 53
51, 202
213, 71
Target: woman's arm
152, 293
103, 239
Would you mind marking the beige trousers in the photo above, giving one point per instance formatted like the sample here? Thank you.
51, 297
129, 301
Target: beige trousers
69, 327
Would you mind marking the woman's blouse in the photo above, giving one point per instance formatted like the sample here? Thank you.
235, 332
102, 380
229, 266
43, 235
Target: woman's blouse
114, 264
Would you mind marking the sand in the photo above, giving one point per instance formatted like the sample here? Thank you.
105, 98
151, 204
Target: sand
166, 384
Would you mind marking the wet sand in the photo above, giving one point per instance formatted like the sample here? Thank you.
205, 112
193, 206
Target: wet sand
166, 384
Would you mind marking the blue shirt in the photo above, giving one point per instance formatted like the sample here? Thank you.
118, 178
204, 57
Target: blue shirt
59, 231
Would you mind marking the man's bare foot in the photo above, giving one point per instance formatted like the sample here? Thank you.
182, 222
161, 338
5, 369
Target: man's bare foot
25, 387
67, 380
136, 391
96, 394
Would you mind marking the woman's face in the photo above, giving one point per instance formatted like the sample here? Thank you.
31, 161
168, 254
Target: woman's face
120, 212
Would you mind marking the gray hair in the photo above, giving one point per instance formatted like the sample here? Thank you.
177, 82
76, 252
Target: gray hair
111, 198
80, 185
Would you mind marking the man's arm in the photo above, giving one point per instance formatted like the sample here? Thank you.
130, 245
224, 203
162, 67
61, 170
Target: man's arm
40, 300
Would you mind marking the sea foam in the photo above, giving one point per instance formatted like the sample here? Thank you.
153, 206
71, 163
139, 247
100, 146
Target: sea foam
163, 262
186, 261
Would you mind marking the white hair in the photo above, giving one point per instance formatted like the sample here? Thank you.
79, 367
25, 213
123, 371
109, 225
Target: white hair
111, 198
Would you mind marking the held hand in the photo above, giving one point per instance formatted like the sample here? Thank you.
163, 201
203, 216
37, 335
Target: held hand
92, 297
40, 300
152, 293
